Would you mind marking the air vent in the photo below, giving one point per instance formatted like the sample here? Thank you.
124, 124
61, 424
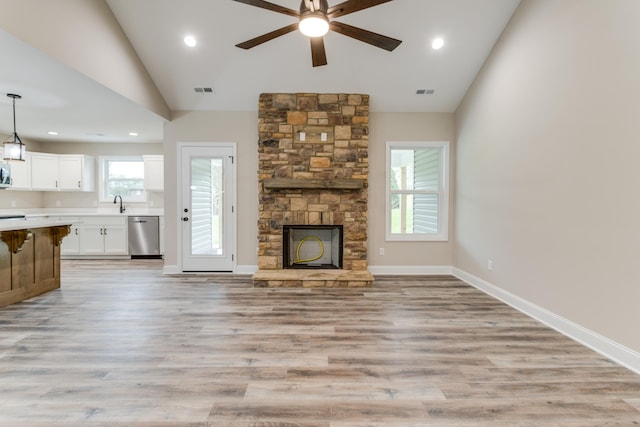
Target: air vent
425, 91
203, 89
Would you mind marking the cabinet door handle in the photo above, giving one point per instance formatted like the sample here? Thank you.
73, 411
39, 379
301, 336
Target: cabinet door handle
56, 184
105, 231
76, 231
78, 184
102, 231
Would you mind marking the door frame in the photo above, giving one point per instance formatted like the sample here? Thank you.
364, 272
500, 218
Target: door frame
233, 201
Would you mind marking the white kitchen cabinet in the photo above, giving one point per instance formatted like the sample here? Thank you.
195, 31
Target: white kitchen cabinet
76, 172
21, 174
44, 171
104, 236
153, 172
63, 172
71, 243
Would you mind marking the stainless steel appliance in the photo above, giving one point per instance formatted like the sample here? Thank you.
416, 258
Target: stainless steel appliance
144, 237
5, 175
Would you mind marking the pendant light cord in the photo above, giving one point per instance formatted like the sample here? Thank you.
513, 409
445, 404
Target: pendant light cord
14, 115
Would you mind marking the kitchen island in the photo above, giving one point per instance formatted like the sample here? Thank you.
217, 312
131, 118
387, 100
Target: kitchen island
29, 257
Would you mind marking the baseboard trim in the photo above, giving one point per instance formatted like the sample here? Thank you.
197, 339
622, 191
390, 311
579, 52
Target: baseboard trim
246, 269
410, 270
601, 344
240, 270
170, 269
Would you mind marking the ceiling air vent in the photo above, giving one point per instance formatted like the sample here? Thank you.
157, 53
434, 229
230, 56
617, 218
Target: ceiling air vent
203, 89
425, 91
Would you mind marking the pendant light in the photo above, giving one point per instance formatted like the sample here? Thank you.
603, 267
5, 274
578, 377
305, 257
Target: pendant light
13, 148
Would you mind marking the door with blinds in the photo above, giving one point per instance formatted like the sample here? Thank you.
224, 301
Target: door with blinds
207, 212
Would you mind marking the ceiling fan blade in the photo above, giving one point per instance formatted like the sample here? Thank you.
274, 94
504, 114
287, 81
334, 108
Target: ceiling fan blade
269, 36
270, 6
351, 6
318, 54
375, 39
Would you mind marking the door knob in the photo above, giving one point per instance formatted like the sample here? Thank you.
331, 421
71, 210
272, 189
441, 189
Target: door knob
185, 219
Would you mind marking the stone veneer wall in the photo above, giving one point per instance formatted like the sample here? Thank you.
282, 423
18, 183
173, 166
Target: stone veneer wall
344, 119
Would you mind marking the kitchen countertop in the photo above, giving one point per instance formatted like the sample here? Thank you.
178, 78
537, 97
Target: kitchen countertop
75, 212
26, 223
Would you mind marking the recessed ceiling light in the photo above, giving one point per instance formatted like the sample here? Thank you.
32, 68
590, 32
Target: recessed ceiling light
437, 43
133, 133
52, 133
190, 41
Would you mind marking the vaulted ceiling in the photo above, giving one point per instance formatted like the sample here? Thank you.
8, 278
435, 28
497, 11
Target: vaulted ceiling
57, 97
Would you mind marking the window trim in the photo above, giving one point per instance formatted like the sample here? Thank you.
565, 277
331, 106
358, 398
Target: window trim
102, 180
443, 192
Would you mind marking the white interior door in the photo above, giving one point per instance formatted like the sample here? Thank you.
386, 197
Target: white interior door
207, 211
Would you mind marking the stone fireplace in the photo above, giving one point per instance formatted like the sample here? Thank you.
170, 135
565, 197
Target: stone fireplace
313, 171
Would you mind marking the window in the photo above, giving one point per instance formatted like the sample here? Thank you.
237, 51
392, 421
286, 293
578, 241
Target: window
417, 190
122, 176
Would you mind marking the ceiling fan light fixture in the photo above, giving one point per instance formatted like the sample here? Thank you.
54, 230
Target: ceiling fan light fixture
12, 147
314, 24
190, 41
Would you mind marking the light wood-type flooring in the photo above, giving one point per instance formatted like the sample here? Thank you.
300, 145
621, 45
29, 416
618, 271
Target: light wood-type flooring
121, 344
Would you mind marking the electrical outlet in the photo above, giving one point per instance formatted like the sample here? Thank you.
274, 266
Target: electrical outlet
13, 203
58, 203
381, 251
303, 136
323, 137
490, 265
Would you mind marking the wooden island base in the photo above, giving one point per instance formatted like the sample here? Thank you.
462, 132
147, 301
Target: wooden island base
29, 262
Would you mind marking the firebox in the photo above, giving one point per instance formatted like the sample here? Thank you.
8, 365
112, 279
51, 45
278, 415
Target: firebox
312, 246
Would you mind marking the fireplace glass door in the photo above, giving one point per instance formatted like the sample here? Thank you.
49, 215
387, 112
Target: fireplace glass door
312, 246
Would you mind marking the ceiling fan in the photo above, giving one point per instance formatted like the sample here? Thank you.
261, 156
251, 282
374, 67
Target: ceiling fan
316, 19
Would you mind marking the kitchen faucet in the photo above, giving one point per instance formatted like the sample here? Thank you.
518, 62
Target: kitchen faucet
122, 208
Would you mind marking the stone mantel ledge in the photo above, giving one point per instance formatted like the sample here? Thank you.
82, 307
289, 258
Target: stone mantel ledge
330, 184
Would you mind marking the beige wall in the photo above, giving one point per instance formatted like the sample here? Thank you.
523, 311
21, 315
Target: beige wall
385, 127
547, 175
241, 128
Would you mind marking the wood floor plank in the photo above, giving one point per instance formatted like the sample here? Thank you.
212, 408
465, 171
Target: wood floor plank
124, 345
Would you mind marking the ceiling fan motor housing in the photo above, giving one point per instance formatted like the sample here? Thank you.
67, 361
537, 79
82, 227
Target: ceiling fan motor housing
311, 6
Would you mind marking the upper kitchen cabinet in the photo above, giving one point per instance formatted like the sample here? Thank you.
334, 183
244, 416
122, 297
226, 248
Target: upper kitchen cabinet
153, 172
62, 172
44, 171
21, 174
76, 172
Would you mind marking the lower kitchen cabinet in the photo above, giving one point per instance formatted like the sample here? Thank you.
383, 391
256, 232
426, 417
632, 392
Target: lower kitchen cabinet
104, 236
71, 244
96, 236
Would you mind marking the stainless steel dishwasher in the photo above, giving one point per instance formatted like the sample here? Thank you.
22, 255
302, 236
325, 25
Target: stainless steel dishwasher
144, 237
